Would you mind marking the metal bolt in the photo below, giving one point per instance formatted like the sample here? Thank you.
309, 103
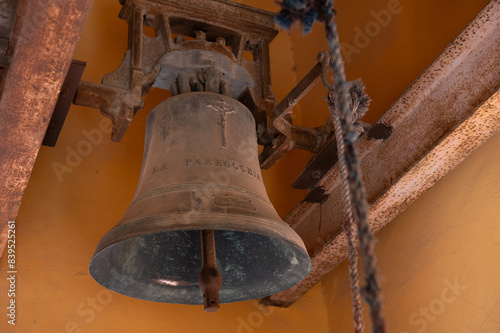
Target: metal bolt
316, 175
179, 39
221, 40
201, 35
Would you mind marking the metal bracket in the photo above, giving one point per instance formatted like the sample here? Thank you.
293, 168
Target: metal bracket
242, 45
119, 97
290, 136
66, 96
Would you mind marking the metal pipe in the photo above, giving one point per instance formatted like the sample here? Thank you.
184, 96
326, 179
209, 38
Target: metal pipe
307, 139
210, 279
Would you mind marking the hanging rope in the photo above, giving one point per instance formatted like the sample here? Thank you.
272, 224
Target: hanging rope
359, 106
297, 10
349, 230
371, 292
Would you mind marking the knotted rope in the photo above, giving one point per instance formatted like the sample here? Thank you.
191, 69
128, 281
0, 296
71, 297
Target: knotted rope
297, 10
359, 106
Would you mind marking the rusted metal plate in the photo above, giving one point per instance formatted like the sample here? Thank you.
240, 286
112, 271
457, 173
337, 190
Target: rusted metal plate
320, 164
4, 62
64, 101
317, 167
443, 116
4, 45
11, 10
45, 44
7, 17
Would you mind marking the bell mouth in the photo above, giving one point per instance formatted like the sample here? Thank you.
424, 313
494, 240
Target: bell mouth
164, 266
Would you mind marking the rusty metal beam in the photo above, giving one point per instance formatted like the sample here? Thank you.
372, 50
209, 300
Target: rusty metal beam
447, 113
45, 45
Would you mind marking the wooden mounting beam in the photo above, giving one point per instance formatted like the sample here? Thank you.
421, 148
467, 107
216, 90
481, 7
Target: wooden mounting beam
447, 113
45, 45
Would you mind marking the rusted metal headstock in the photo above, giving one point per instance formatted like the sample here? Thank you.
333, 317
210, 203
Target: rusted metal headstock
214, 46
231, 37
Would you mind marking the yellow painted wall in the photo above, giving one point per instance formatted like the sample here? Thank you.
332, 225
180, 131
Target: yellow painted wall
439, 260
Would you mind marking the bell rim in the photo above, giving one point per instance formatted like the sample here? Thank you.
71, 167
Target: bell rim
197, 221
295, 242
305, 264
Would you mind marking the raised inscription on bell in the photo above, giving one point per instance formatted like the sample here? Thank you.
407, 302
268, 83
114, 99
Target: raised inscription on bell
162, 167
229, 201
223, 164
223, 110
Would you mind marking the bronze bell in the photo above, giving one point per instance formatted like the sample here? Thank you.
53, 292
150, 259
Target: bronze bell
200, 171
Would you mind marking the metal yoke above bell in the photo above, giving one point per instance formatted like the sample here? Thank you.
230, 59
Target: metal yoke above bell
200, 171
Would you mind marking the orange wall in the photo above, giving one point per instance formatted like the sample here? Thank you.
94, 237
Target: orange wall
438, 261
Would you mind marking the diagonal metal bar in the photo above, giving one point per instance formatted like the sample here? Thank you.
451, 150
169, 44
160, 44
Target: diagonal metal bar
285, 142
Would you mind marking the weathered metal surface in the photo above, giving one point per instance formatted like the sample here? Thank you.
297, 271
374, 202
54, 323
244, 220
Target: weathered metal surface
17, 24
317, 167
42, 55
449, 111
7, 17
217, 33
210, 279
190, 62
64, 101
119, 97
118, 104
320, 164
4, 62
200, 172
210, 80
4, 45
259, 109
284, 142
11, 12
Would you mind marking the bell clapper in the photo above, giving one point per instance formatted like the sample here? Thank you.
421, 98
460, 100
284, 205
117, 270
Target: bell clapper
209, 279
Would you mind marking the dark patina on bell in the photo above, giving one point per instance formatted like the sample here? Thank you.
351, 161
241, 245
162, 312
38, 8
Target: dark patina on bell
200, 171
